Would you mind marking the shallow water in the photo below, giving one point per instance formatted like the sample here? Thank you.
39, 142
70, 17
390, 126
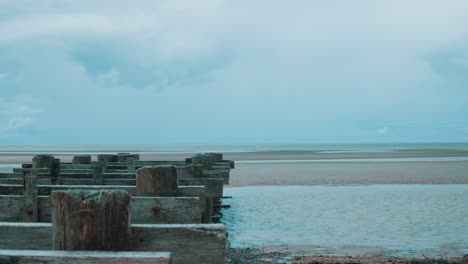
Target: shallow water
396, 217
421, 159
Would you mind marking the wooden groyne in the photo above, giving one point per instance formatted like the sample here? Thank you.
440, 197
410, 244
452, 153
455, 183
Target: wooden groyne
114, 203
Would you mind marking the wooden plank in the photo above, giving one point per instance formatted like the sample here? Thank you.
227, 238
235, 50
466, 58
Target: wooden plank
228, 163
218, 174
83, 257
122, 165
76, 170
188, 243
30, 213
39, 170
44, 189
216, 167
12, 208
47, 171
182, 210
120, 182
11, 181
74, 181
172, 210
124, 175
217, 171
69, 166
214, 186
83, 175
109, 179
12, 189
10, 175
77, 174
30, 236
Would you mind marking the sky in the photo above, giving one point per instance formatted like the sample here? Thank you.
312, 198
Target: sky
232, 72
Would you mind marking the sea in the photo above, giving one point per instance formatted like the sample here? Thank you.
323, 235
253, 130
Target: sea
403, 219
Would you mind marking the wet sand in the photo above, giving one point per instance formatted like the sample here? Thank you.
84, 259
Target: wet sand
346, 255
450, 172
311, 255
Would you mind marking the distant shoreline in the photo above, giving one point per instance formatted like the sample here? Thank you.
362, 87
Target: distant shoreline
22, 157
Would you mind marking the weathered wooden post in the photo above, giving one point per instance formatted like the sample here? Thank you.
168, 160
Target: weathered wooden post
157, 181
107, 157
196, 161
81, 159
207, 160
98, 172
185, 171
217, 156
208, 213
104, 166
42, 161
131, 164
30, 211
123, 157
55, 172
90, 220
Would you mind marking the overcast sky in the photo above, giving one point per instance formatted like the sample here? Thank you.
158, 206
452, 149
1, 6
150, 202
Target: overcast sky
233, 71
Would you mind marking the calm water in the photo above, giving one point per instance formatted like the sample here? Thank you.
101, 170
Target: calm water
397, 217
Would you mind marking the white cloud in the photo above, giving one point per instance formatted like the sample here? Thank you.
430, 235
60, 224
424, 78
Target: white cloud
383, 131
16, 116
18, 123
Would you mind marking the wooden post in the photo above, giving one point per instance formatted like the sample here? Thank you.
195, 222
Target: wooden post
98, 173
83, 257
81, 159
217, 156
131, 164
207, 160
123, 157
90, 220
55, 172
195, 160
107, 157
157, 181
42, 161
185, 171
30, 212
208, 213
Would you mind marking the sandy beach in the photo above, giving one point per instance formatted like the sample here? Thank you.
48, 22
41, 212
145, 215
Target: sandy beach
318, 168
